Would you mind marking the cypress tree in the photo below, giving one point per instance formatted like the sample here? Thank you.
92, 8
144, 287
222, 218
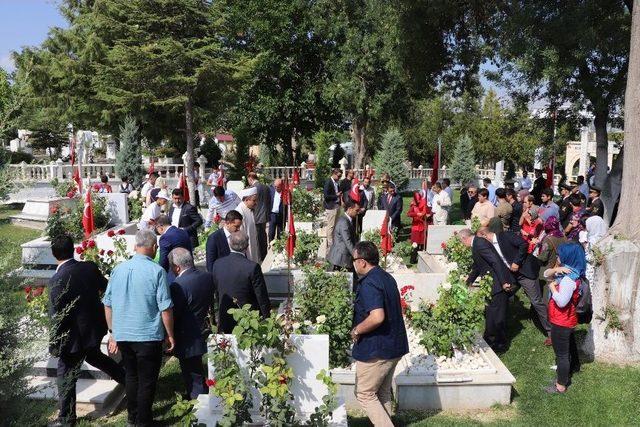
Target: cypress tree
129, 158
391, 158
463, 166
322, 140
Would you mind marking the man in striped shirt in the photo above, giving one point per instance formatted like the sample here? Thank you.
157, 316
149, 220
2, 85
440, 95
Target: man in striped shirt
222, 202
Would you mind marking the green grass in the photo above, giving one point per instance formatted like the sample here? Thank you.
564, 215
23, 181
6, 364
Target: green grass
11, 237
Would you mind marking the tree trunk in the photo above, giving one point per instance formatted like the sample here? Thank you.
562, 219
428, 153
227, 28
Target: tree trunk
188, 161
628, 220
360, 155
602, 145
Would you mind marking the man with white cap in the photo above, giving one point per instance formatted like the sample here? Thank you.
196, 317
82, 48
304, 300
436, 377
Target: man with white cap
249, 197
153, 211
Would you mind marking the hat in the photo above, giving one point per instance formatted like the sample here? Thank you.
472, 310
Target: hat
247, 192
565, 186
162, 194
596, 189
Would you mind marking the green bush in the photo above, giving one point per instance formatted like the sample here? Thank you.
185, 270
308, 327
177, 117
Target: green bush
322, 141
68, 220
307, 245
307, 205
455, 251
17, 157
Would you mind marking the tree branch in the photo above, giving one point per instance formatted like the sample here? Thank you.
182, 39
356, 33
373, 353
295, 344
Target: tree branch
629, 4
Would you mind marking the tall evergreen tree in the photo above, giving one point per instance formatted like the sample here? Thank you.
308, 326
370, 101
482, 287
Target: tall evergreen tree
391, 158
463, 166
129, 158
322, 141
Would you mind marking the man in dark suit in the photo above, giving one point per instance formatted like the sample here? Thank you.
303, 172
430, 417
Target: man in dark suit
238, 281
185, 216
565, 205
596, 207
276, 212
218, 241
332, 197
261, 212
512, 249
192, 293
78, 324
392, 203
538, 185
487, 260
345, 185
344, 238
171, 237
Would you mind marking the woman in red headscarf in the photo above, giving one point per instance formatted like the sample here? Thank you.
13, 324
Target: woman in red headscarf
418, 212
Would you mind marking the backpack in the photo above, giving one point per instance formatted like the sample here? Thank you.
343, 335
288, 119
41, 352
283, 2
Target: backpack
584, 309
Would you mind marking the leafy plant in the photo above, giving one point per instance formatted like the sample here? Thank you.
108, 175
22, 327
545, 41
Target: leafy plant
326, 299
68, 220
372, 236
307, 205
105, 260
184, 410
136, 207
322, 413
452, 323
307, 245
322, 141
66, 188
611, 316
403, 249
455, 251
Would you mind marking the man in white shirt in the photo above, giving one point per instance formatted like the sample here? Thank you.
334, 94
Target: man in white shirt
525, 182
446, 186
441, 204
249, 198
220, 204
276, 214
153, 211
151, 182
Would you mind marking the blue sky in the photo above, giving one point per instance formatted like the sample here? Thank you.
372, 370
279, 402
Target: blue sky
25, 23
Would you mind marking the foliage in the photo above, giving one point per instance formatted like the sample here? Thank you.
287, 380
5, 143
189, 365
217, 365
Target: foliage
455, 251
325, 299
322, 413
403, 249
306, 251
7, 183
105, 260
129, 158
211, 150
372, 236
307, 205
611, 316
184, 410
68, 220
54, 138
463, 165
391, 158
322, 141
65, 188
454, 321
15, 157
338, 154
136, 207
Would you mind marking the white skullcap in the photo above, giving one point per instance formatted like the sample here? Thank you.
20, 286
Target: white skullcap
162, 194
250, 191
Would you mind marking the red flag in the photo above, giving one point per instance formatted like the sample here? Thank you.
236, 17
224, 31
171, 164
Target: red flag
77, 179
220, 182
291, 239
550, 169
286, 192
296, 177
354, 194
73, 151
386, 241
184, 187
152, 167
87, 215
436, 166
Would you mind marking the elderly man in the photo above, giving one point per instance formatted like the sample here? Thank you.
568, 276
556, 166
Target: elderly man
238, 281
222, 202
192, 293
344, 238
139, 314
153, 211
440, 205
246, 208
379, 334
262, 212
218, 242
185, 216
171, 237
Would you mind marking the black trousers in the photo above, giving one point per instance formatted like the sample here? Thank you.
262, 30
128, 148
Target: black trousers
275, 226
495, 325
566, 350
261, 230
68, 372
142, 361
193, 374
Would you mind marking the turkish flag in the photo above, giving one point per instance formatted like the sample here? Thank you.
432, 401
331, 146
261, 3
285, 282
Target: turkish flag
386, 241
185, 189
436, 166
77, 179
296, 177
354, 194
220, 182
87, 215
550, 169
286, 192
291, 239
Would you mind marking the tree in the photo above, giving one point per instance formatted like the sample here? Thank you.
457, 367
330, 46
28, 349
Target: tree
322, 141
49, 137
211, 151
338, 154
129, 158
551, 46
463, 165
391, 158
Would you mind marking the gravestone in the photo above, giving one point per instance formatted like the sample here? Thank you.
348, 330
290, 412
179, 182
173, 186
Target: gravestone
373, 220
438, 234
118, 206
235, 186
35, 212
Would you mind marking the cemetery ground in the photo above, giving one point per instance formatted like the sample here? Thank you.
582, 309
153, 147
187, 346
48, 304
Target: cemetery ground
601, 394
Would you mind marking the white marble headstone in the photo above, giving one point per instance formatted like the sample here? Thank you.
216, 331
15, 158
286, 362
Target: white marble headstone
117, 204
373, 220
438, 234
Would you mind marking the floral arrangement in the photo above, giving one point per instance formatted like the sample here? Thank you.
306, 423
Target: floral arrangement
454, 322
406, 294
306, 251
307, 205
68, 220
66, 188
105, 260
455, 251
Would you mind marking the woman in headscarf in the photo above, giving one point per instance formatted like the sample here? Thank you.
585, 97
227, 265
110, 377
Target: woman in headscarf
565, 293
550, 240
421, 218
531, 227
595, 229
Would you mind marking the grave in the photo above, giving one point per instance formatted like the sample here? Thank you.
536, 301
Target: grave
118, 207
438, 234
235, 186
373, 220
35, 212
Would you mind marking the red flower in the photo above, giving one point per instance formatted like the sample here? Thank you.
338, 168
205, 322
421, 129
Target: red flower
71, 193
38, 291
101, 251
79, 250
109, 253
54, 209
27, 290
84, 245
282, 379
91, 244
443, 245
224, 344
403, 304
121, 231
210, 382
217, 219
111, 233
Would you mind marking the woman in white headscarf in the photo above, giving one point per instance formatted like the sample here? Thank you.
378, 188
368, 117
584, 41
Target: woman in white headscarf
595, 229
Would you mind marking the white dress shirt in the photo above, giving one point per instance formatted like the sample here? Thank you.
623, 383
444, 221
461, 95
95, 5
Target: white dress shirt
276, 202
175, 217
497, 247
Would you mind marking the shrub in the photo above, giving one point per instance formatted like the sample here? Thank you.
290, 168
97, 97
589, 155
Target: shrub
322, 140
129, 158
68, 220
307, 245
391, 158
455, 251
307, 205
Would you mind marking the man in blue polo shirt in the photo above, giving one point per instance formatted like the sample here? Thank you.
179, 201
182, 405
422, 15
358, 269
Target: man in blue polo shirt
379, 334
138, 308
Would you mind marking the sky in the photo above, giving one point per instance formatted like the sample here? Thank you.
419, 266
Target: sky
25, 23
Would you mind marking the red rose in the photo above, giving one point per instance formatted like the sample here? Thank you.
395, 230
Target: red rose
443, 245
71, 193
121, 232
217, 219
38, 291
27, 290
210, 382
79, 250
109, 253
91, 244
111, 233
54, 209
84, 244
403, 304
282, 379
101, 251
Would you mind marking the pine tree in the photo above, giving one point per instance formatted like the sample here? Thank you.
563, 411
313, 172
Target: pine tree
391, 158
338, 154
463, 166
129, 158
322, 140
